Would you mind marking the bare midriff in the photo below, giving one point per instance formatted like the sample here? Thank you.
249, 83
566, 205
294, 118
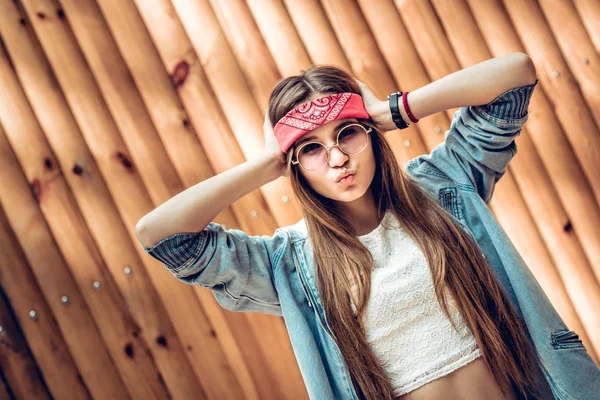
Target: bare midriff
472, 381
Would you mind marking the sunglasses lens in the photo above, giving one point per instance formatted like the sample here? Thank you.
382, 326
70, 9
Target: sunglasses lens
352, 139
312, 156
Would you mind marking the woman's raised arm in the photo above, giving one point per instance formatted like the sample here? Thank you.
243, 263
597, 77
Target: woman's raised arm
194, 208
475, 85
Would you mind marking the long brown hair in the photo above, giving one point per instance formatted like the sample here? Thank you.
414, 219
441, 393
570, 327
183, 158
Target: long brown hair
454, 257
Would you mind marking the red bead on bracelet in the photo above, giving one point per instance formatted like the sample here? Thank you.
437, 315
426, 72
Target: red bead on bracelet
407, 108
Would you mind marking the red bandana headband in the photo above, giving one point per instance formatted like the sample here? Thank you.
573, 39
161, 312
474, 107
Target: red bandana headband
317, 112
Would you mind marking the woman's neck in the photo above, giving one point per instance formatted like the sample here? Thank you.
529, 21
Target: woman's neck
362, 213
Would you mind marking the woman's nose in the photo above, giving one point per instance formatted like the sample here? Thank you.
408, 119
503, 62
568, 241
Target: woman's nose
337, 156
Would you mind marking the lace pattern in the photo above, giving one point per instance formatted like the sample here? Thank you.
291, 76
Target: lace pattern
404, 323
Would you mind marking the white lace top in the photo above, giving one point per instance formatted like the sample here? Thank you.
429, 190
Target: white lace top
404, 323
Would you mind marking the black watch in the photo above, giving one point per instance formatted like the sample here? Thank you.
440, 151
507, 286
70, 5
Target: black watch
396, 116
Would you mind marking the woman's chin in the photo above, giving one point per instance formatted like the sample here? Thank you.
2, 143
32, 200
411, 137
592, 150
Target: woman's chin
348, 195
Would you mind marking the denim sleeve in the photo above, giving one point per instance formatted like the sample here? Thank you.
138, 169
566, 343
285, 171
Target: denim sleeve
481, 142
236, 267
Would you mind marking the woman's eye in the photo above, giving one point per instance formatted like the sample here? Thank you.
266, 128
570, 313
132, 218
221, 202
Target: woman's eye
348, 132
310, 148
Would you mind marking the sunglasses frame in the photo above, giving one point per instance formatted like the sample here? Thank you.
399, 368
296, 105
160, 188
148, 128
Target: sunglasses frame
337, 143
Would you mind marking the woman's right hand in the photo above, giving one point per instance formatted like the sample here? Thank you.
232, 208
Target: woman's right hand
272, 149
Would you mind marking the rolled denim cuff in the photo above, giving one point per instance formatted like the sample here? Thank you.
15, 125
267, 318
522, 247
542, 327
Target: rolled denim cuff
176, 251
512, 104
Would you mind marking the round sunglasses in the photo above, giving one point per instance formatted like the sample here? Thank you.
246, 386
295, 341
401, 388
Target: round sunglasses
351, 139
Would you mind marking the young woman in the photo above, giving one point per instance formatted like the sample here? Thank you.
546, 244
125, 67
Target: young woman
395, 284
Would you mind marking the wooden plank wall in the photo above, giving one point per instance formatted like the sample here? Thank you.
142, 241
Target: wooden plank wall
109, 108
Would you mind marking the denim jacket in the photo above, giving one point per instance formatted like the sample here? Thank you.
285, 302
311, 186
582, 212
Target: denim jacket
276, 274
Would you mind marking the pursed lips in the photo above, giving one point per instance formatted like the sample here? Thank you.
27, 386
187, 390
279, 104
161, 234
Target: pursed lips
344, 175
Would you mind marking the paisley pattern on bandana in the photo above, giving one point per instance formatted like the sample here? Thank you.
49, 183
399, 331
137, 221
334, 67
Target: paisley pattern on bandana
317, 112
321, 110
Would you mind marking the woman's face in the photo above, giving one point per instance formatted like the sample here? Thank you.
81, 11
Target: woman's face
325, 180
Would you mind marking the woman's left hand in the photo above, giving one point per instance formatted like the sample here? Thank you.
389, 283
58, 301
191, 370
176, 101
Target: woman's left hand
377, 109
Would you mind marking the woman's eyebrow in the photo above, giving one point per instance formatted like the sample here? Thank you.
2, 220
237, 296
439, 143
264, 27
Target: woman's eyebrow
336, 130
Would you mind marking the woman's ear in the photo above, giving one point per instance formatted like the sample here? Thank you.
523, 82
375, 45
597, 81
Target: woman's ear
288, 162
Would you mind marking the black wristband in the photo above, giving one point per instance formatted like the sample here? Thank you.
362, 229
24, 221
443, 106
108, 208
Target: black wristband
396, 116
